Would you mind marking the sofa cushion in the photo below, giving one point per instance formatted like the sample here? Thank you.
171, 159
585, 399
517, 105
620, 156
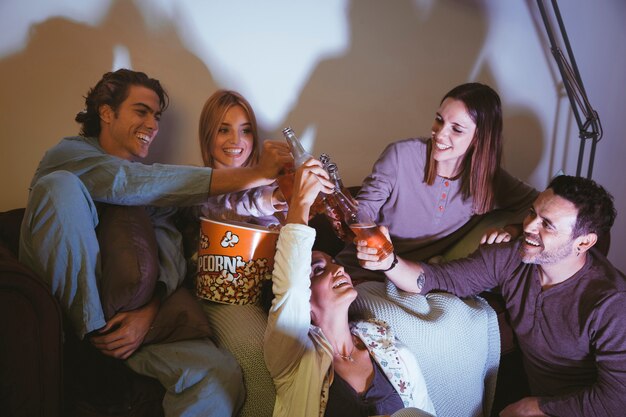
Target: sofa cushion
129, 258
116, 391
130, 268
180, 317
10, 223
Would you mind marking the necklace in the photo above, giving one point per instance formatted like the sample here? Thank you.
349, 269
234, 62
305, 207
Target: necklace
348, 357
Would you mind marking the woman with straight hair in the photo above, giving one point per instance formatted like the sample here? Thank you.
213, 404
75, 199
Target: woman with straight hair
229, 138
430, 191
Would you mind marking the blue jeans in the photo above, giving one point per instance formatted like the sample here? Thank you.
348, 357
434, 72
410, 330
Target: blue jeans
58, 242
200, 379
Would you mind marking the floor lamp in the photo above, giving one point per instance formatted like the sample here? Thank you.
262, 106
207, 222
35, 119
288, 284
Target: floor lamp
587, 119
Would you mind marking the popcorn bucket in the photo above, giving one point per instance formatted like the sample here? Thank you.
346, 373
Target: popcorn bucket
234, 259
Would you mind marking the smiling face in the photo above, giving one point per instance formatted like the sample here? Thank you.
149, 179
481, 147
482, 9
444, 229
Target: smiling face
548, 230
129, 131
330, 284
452, 134
234, 140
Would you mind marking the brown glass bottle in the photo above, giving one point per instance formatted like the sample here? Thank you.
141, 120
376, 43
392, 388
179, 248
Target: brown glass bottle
353, 223
300, 156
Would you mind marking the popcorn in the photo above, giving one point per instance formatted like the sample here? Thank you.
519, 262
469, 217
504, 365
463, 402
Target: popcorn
233, 261
242, 287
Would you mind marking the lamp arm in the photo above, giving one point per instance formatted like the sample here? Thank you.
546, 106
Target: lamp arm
590, 127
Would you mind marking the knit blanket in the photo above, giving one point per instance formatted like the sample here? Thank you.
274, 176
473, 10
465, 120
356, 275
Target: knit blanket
456, 342
241, 329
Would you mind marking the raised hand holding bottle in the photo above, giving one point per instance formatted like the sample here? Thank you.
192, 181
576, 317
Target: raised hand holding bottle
300, 155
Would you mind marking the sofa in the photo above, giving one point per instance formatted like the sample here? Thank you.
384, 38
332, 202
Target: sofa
30, 335
45, 371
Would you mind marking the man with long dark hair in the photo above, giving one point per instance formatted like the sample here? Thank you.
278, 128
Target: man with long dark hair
75, 180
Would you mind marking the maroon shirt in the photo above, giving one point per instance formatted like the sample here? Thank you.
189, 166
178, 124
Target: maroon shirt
572, 336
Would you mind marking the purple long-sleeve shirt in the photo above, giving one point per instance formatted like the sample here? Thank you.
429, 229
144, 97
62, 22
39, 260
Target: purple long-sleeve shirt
424, 220
572, 335
395, 195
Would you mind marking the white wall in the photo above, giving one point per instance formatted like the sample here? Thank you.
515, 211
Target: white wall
350, 76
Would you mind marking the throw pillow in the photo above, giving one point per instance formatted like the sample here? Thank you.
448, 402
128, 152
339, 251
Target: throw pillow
180, 317
129, 258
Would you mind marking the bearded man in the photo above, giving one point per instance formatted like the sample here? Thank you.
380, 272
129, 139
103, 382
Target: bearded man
565, 300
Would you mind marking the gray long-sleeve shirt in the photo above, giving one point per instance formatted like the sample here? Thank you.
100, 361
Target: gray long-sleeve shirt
113, 180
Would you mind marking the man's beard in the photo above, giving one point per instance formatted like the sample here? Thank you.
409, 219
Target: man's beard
548, 257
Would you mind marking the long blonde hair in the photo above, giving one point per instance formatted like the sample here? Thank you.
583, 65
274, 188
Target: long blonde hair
211, 118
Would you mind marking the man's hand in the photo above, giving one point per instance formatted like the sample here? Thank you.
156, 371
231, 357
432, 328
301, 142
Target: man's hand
125, 331
526, 407
274, 156
368, 257
406, 275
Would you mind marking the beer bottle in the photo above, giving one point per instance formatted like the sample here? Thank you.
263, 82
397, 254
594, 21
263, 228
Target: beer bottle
356, 221
319, 205
300, 156
331, 206
324, 159
333, 173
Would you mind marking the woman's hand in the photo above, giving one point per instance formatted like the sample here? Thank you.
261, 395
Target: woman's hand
500, 235
310, 179
278, 201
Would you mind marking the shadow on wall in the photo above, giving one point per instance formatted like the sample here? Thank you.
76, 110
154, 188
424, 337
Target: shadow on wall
388, 86
523, 142
64, 59
522, 134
